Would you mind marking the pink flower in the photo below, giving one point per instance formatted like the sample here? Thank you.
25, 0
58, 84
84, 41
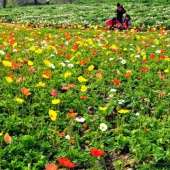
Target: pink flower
51, 167
19, 79
31, 69
53, 92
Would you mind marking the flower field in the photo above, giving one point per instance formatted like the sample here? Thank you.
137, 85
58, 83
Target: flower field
84, 99
87, 15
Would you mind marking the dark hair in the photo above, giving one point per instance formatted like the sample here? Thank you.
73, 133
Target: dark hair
118, 5
127, 15
114, 19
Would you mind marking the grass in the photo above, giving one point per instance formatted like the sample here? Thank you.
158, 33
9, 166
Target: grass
87, 14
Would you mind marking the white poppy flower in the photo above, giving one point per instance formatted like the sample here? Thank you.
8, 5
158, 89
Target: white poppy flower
70, 65
103, 127
123, 61
67, 137
158, 51
15, 50
113, 90
137, 56
62, 64
52, 55
66, 43
67, 61
121, 101
80, 119
52, 65
137, 114
110, 95
2, 52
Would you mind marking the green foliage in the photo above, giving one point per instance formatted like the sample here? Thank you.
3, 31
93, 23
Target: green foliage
87, 14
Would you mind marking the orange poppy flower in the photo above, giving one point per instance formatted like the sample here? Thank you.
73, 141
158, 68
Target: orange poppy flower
84, 125
72, 141
46, 74
83, 97
71, 115
25, 91
65, 88
66, 162
128, 74
12, 76
16, 65
61, 134
98, 75
71, 85
7, 138
19, 79
51, 167
71, 111
24, 60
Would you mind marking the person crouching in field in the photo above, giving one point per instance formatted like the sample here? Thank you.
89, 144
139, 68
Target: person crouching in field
115, 24
127, 22
120, 11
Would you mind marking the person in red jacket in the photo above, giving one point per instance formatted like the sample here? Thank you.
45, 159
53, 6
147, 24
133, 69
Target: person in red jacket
120, 11
116, 23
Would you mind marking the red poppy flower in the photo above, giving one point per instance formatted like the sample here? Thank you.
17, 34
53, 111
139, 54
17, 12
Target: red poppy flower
150, 159
139, 77
60, 52
67, 56
12, 76
66, 162
144, 69
146, 45
9, 57
152, 56
96, 152
163, 50
144, 61
86, 72
116, 81
162, 57
147, 131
